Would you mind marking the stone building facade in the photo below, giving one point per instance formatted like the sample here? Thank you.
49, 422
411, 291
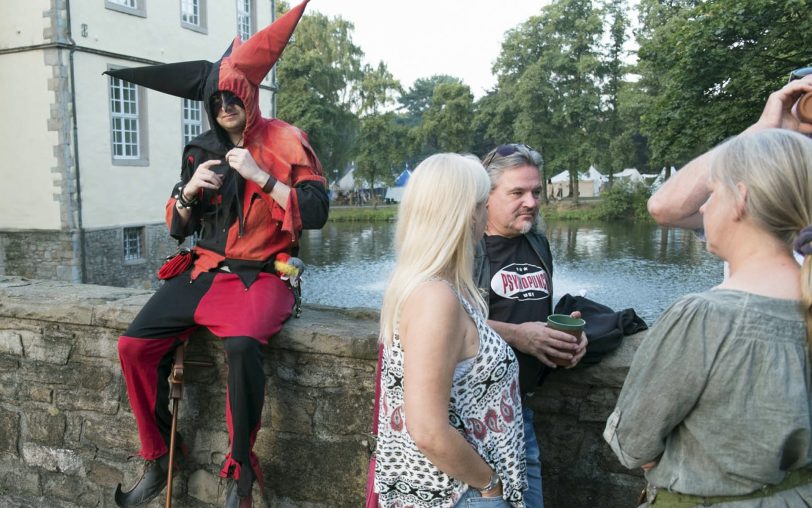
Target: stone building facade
86, 201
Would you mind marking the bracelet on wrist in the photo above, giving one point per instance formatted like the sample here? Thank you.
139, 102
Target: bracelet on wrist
182, 201
492, 482
269, 184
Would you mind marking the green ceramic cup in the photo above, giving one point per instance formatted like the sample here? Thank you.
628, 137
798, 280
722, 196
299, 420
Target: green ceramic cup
570, 325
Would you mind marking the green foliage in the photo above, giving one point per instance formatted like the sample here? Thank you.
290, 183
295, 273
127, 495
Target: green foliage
624, 200
378, 89
417, 99
316, 74
708, 67
550, 70
380, 148
448, 122
379, 151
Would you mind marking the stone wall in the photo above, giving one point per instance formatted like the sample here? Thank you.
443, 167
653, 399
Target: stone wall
54, 255
39, 254
105, 264
66, 430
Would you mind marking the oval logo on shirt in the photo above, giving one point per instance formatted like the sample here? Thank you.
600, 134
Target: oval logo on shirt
521, 281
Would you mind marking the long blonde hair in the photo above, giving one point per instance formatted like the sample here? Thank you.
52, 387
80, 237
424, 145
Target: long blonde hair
434, 236
776, 167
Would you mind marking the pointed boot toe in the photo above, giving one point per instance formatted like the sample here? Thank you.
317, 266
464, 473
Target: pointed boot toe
151, 483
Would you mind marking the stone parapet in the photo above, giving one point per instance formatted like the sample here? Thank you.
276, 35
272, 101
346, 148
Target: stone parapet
66, 430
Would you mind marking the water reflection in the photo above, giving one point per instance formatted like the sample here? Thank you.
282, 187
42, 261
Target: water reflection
621, 265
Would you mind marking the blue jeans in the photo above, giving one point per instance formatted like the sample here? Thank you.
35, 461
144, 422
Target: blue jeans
532, 496
472, 498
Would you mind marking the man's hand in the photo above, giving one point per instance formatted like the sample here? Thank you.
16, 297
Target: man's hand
537, 339
203, 178
779, 112
243, 163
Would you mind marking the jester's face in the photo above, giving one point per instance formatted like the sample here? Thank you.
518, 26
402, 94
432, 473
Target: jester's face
229, 112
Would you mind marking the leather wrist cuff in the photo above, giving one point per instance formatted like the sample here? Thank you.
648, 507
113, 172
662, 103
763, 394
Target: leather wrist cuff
269, 185
185, 203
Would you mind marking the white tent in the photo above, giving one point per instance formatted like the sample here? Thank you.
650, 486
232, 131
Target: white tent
630, 174
589, 183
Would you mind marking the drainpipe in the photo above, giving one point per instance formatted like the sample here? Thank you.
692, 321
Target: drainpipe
274, 84
79, 225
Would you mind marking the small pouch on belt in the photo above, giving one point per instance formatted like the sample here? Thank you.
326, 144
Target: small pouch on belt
176, 264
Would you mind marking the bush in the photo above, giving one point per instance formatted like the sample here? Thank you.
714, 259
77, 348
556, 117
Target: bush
625, 200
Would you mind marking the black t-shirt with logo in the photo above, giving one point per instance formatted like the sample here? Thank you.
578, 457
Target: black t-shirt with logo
519, 292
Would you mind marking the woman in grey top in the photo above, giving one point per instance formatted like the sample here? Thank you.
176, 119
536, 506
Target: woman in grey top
716, 407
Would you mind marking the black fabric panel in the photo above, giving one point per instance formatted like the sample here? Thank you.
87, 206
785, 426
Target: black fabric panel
314, 204
181, 79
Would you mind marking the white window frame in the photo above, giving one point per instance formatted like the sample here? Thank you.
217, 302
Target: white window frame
246, 19
187, 18
128, 123
134, 7
191, 126
133, 244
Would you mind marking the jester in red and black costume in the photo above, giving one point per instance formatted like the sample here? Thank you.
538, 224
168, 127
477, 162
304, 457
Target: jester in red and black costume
248, 187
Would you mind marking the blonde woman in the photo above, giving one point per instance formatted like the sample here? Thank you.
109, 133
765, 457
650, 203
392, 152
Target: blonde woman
450, 421
716, 407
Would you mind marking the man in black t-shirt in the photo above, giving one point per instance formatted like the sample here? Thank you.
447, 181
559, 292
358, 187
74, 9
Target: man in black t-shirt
513, 268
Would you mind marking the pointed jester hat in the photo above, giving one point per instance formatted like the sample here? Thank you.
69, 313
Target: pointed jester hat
199, 79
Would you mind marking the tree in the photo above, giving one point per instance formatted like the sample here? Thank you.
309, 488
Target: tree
417, 99
616, 145
448, 122
380, 146
317, 74
378, 89
708, 67
550, 67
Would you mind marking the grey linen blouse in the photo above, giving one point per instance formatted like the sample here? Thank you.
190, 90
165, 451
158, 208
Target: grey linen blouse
719, 394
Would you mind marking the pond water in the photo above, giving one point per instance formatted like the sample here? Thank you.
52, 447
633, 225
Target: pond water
621, 264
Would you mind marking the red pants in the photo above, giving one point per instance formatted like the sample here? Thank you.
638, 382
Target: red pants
244, 317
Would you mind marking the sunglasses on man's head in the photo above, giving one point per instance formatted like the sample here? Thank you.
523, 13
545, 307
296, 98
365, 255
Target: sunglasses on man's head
799, 73
511, 148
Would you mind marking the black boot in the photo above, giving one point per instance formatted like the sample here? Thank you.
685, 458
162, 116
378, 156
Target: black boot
151, 483
238, 493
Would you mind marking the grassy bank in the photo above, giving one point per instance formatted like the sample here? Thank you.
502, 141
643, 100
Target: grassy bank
567, 210
622, 202
382, 213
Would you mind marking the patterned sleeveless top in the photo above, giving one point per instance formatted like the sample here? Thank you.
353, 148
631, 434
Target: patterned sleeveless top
485, 407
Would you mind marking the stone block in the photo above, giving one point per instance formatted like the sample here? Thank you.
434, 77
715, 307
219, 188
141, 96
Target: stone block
80, 491
291, 410
119, 435
598, 405
561, 440
98, 343
16, 478
45, 374
319, 371
45, 427
204, 486
317, 471
101, 473
58, 460
86, 400
73, 429
9, 432
48, 350
343, 412
11, 343
209, 447
37, 393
